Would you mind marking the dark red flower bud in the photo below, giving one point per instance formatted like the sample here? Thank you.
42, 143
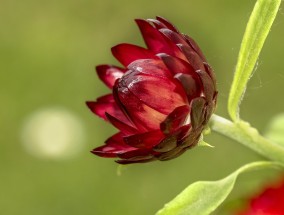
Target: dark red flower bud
270, 201
162, 98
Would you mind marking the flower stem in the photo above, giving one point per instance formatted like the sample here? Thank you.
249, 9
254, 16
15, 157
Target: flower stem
242, 132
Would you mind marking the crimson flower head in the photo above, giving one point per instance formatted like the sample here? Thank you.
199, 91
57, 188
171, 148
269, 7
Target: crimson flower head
162, 97
269, 202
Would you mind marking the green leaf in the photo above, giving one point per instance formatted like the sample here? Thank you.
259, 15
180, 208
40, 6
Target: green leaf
201, 142
275, 130
203, 197
257, 29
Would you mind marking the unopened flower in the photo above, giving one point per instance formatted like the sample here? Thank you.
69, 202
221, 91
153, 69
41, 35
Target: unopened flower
270, 201
162, 97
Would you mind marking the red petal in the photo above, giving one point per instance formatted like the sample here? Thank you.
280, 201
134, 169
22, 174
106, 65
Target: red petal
136, 154
194, 45
192, 57
172, 140
106, 98
109, 74
176, 65
167, 23
144, 117
161, 95
151, 67
113, 146
127, 53
144, 140
208, 85
116, 139
175, 119
153, 38
124, 128
173, 36
191, 84
156, 41
157, 23
100, 108
107, 104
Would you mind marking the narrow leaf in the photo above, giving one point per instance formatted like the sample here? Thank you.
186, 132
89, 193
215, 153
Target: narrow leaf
257, 29
203, 197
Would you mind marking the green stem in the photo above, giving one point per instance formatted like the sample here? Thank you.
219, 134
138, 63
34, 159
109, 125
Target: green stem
243, 133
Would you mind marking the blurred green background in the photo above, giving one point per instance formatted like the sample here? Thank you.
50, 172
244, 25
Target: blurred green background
48, 50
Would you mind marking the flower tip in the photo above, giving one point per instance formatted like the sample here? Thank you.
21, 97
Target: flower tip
161, 19
100, 68
114, 49
89, 104
142, 23
167, 23
139, 20
102, 153
92, 106
96, 152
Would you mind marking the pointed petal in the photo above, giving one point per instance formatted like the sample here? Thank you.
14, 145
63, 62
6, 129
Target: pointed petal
197, 112
175, 119
107, 104
209, 109
211, 73
137, 160
208, 85
171, 154
116, 139
97, 108
136, 154
100, 108
144, 117
109, 74
167, 23
151, 67
171, 141
106, 98
156, 41
208, 112
124, 128
176, 65
144, 140
192, 57
191, 84
157, 23
127, 53
173, 36
195, 47
113, 146
162, 96
153, 38
192, 139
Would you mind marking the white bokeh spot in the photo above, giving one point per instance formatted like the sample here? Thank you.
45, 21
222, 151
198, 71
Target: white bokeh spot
53, 133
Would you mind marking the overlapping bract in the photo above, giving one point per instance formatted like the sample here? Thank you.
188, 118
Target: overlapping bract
269, 202
162, 97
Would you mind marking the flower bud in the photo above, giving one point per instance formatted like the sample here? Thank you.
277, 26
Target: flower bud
162, 97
